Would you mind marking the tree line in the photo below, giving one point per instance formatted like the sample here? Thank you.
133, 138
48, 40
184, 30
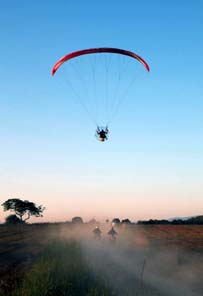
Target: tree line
198, 220
23, 210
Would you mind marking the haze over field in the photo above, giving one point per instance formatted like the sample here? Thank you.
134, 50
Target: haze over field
65, 259
151, 166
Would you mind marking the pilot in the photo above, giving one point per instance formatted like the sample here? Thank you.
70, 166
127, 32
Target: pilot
102, 133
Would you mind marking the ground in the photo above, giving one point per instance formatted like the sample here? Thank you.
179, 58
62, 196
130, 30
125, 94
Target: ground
64, 259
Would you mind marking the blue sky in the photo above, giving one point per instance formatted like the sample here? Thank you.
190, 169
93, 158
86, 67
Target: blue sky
152, 164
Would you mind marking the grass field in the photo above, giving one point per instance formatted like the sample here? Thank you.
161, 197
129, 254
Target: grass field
64, 259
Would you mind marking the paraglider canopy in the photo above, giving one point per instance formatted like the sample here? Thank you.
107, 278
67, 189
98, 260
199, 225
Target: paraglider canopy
100, 78
98, 50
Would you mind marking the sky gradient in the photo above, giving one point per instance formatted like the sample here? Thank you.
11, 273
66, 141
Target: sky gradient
151, 167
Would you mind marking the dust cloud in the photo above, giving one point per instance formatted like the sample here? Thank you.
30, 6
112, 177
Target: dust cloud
137, 265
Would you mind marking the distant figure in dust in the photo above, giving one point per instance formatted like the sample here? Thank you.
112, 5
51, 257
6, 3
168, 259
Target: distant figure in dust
97, 232
102, 133
112, 234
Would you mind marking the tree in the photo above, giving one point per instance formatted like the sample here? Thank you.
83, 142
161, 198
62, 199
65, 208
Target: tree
126, 221
195, 220
13, 219
116, 221
93, 221
22, 208
77, 220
